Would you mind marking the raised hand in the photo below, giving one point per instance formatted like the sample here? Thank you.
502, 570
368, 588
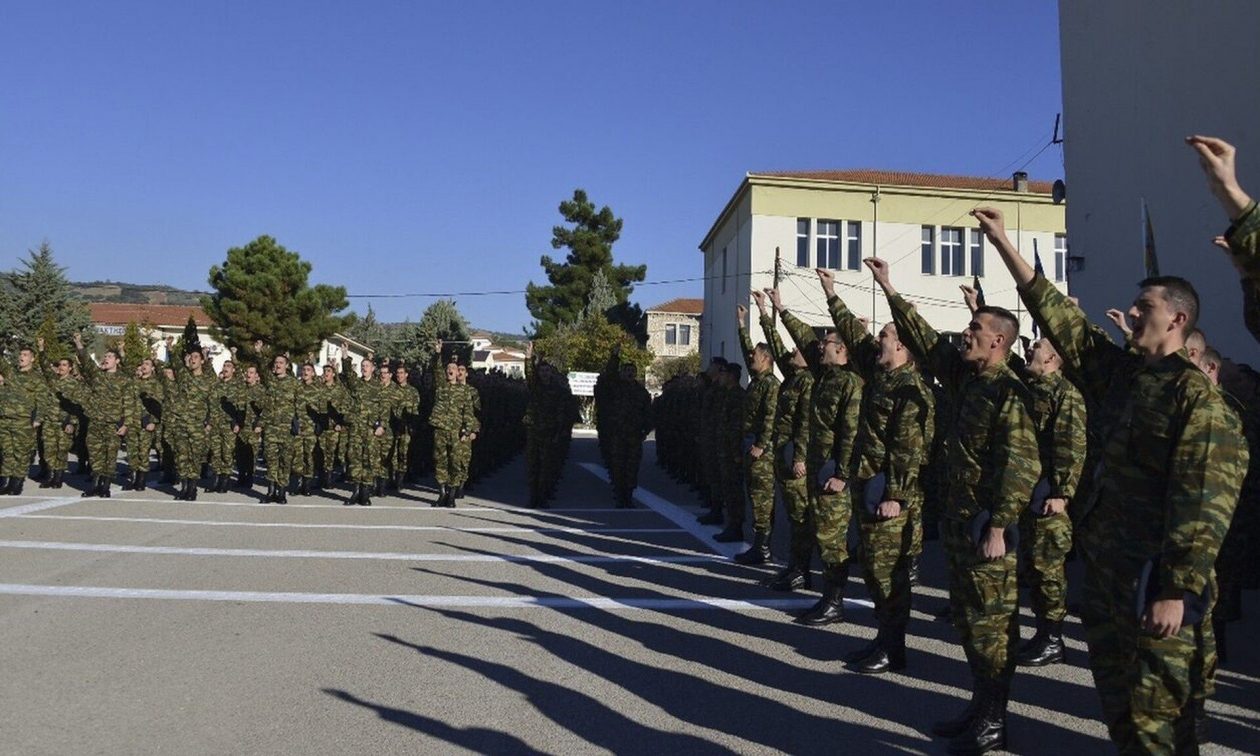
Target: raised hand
741, 312
992, 223
827, 279
760, 298
971, 297
880, 269
1120, 319
776, 299
1216, 157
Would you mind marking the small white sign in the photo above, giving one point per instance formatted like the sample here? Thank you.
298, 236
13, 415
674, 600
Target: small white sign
109, 330
583, 384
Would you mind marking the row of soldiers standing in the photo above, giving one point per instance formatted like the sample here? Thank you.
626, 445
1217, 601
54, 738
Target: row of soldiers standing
623, 419
304, 426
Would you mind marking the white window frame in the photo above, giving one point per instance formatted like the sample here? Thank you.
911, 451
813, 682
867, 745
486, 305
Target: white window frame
803, 239
927, 246
952, 251
852, 242
671, 334
827, 245
1060, 257
684, 334
975, 251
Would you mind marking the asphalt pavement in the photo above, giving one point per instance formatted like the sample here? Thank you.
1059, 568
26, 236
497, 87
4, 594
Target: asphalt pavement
139, 624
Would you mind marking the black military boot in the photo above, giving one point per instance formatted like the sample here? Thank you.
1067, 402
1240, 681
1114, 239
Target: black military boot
914, 570
4, 486
192, 490
398, 481
459, 494
889, 654
830, 609
732, 533
304, 486
103, 487
354, 496
140, 480
1046, 647
59, 479
759, 552
271, 492
378, 487
987, 731
451, 491
282, 494
181, 491
322, 482
951, 728
1201, 734
45, 483
441, 499
15, 485
245, 480
225, 482
365, 498
129, 483
794, 577
712, 517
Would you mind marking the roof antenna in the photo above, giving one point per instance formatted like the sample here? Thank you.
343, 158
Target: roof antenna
1056, 139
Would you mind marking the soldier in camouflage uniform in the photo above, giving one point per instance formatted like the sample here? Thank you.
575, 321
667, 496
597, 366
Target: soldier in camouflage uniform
366, 413
405, 411
757, 448
58, 436
279, 423
993, 464
727, 435
550, 414
187, 418
312, 408
144, 438
627, 419
330, 444
1166, 489
465, 455
791, 442
454, 420
383, 444
889, 452
25, 403
834, 406
1046, 535
712, 392
226, 417
247, 441
107, 397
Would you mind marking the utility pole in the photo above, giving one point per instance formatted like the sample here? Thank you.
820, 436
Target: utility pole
778, 272
874, 245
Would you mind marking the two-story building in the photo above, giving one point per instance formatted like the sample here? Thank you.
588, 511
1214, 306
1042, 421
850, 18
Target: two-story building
779, 227
673, 328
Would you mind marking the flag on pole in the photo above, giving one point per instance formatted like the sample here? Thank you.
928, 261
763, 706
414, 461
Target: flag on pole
1041, 272
975, 284
1148, 243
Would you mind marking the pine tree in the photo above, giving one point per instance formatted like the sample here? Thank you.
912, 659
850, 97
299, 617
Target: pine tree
135, 347
35, 293
368, 330
589, 241
441, 320
54, 348
261, 291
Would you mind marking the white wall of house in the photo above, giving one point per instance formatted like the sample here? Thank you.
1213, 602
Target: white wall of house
1138, 77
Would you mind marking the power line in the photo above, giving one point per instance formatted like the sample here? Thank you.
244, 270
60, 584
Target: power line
500, 292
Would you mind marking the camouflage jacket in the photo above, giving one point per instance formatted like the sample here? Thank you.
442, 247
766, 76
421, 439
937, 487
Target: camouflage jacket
1059, 412
791, 416
312, 407
26, 397
107, 398
404, 402
835, 403
895, 425
991, 451
1244, 249
761, 398
190, 397
279, 405
1168, 480
151, 394
363, 403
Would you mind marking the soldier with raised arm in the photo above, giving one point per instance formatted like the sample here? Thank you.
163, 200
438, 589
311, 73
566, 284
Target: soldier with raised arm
454, 421
25, 403
58, 434
890, 448
188, 416
1165, 489
791, 442
107, 397
367, 413
835, 403
279, 424
757, 449
992, 463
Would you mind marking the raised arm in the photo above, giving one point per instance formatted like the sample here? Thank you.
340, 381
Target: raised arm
802, 335
935, 354
87, 366
1086, 350
863, 349
745, 343
782, 357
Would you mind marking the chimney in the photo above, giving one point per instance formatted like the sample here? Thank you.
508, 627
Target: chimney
1021, 181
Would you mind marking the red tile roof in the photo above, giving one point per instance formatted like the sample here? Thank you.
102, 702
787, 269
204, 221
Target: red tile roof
114, 313
682, 305
907, 178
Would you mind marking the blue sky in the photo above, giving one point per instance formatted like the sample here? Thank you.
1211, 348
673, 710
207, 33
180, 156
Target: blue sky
415, 147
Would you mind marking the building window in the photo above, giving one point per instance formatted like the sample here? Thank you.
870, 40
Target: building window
671, 334
951, 252
828, 245
684, 335
977, 252
1060, 256
802, 242
853, 245
929, 250
723, 270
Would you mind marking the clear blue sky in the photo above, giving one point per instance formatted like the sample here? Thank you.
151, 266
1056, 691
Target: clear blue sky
409, 147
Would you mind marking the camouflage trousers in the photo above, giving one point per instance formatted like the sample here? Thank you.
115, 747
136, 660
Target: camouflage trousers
304, 445
381, 447
400, 455
246, 452
1205, 661
188, 448
446, 463
464, 455
139, 443
329, 450
796, 502
1044, 543
984, 601
759, 479
832, 516
1144, 682
544, 458
731, 489
625, 455
363, 460
278, 451
17, 448
222, 442
887, 546
103, 443
57, 445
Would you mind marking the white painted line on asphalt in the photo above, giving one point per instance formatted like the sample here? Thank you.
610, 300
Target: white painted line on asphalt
37, 506
333, 526
421, 506
492, 602
368, 555
674, 513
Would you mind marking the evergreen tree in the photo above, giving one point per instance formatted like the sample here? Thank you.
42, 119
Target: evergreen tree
589, 241
35, 293
368, 330
441, 320
261, 292
135, 347
54, 348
